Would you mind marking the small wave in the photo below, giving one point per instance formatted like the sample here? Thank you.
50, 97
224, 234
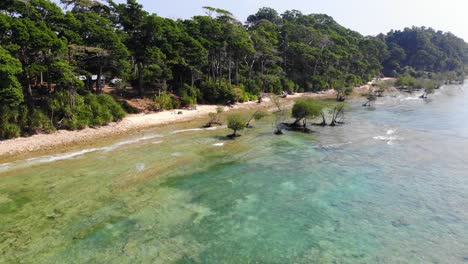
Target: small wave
157, 142
176, 154
384, 138
389, 138
71, 155
218, 144
52, 158
5, 166
196, 129
337, 145
418, 97
132, 141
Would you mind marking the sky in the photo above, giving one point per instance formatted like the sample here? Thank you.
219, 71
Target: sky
369, 17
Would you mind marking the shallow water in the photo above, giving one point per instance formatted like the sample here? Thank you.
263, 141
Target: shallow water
391, 186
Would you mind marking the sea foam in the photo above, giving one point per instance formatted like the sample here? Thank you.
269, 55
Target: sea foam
390, 137
131, 141
5, 166
52, 158
412, 98
196, 129
75, 154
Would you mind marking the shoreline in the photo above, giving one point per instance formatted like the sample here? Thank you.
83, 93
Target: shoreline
132, 123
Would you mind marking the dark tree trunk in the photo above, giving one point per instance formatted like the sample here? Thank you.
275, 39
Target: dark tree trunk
88, 84
237, 72
28, 91
141, 88
192, 81
220, 69
229, 70
324, 121
49, 84
98, 81
296, 122
164, 85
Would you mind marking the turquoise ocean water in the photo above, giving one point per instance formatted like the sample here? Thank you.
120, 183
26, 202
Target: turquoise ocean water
390, 186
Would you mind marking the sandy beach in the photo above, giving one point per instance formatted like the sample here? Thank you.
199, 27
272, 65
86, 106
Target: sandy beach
131, 123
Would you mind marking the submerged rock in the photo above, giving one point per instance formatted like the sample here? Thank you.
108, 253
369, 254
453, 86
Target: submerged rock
400, 223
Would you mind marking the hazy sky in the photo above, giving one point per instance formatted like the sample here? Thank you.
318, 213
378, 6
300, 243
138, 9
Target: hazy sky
368, 17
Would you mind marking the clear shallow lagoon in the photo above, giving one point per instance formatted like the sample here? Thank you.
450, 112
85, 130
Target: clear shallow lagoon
391, 186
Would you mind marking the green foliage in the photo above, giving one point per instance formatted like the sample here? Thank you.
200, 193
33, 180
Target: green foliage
407, 81
306, 109
209, 59
40, 122
189, 95
115, 109
10, 89
164, 101
257, 115
236, 122
11, 96
410, 84
288, 85
214, 92
9, 130
75, 111
344, 88
271, 83
424, 50
215, 118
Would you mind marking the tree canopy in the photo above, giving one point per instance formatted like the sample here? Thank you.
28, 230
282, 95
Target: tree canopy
55, 56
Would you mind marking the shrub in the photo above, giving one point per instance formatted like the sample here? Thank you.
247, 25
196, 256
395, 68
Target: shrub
251, 97
188, 101
101, 114
240, 95
288, 85
257, 115
253, 87
319, 84
175, 103
115, 109
304, 109
163, 102
236, 122
271, 84
40, 122
9, 130
189, 95
76, 111
217, 93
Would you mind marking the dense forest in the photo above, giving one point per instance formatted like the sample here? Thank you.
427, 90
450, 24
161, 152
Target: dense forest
55, 61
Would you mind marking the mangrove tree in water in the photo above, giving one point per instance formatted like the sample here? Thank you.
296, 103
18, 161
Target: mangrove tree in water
236, 122
303, 110
257, 115
215, 117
